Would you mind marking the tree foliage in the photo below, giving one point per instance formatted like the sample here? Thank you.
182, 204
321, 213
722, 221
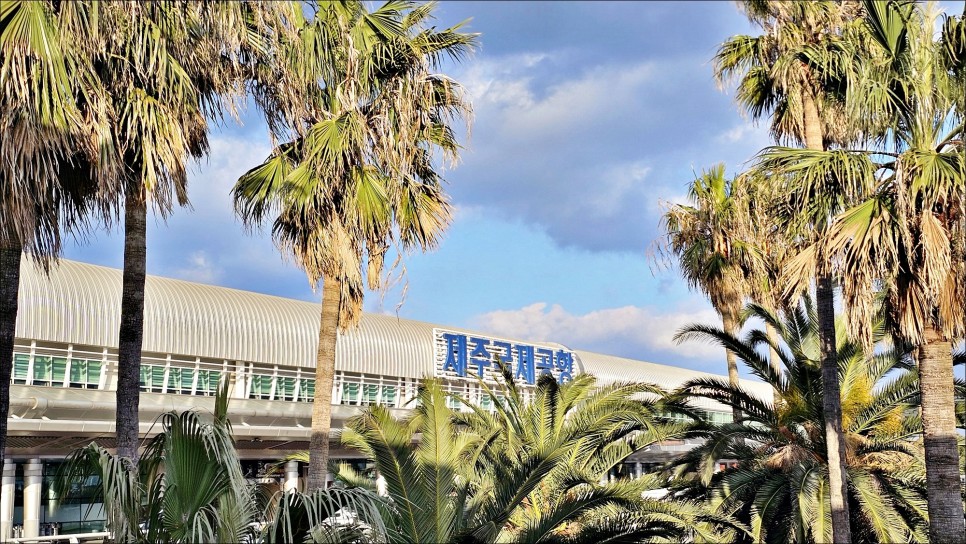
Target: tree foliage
779, 486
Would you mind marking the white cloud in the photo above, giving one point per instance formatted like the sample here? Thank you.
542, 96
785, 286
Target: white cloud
626, 329
199, 269
736, 133
583, 151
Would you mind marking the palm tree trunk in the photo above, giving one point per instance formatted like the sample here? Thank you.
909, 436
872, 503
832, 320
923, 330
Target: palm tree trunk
831, 392
10, 256
731, 327
773, 358
324, 371
943, 489
131, 333
832, 406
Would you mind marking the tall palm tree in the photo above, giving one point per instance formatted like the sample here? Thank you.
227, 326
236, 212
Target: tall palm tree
793, 73
44, 66
700, 237
167, 68
360, 176
770, 248
909, 236
780, 485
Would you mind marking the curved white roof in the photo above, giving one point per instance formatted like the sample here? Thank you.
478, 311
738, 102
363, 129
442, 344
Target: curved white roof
80, 303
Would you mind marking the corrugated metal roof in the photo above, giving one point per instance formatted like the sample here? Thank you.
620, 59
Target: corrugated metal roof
608, 369
80, 303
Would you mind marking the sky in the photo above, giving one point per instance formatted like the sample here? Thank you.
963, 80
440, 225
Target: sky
587, 118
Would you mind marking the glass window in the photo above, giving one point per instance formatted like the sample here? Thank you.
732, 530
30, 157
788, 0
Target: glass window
174, 380
85, 373
157, 379
721, 418
389, 395
41, 370
350, 393
21, 363
58, 370
286, 388
207, 382
370, 393
78, 372
261, 386
307, 390
180, 380
93, 373
187, 379
486, 402
145, 378
453, 403
152, 378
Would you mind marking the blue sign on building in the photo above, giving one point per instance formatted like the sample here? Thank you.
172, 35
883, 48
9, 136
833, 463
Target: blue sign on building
468, 356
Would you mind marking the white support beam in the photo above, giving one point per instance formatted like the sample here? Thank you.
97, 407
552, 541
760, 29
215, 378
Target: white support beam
33, 477
7, 491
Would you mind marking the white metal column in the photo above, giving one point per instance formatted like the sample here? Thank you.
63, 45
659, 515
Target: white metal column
291, 476
6, 499
33, 477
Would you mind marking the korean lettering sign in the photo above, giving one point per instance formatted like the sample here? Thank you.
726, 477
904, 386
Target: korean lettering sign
470, 356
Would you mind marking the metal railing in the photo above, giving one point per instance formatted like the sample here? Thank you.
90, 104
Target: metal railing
70, 539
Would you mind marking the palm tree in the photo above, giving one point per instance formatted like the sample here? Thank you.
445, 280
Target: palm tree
780, 486
360, 176
793, 72
764, 232
701, 238
166, 69
528, 471
44, 66
908, 237
189, 487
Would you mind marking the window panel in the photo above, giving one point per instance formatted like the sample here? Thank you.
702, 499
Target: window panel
370, 393
453, 403
93, 373
58, 370
145, 378
389, 395
78, 373
152, 378
286, 388
307, 390
42, 370
261, 386
207, 382
214, 378
174, 380
157, 378
350, 393
21, 364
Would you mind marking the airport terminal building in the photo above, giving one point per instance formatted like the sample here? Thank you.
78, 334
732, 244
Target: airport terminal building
65, 368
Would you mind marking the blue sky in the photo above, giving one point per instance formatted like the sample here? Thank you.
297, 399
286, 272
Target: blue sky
587, 116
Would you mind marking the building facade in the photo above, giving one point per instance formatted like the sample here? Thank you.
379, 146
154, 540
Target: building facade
65, 375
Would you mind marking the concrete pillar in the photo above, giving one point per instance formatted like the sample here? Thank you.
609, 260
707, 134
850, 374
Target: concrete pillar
638, 470
6, 499
33, 477
291, 476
